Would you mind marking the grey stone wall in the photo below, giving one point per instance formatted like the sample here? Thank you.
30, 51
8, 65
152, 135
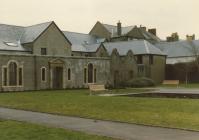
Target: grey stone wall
32, 71
54, 41
100, 31
123, 68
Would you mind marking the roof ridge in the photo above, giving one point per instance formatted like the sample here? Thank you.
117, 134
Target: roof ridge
109, 24
146, 46
116, 25
129, 26
140, 40
78, 33
40, 24
12, 25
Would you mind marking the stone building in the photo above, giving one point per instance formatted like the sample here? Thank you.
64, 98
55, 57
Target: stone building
43, 57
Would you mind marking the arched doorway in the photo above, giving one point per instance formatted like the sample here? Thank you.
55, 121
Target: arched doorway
90, 73
57, 74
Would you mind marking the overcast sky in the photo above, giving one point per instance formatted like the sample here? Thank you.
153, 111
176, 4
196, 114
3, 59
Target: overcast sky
80, 15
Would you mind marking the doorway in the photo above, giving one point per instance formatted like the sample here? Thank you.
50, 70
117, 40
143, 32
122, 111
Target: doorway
58, 78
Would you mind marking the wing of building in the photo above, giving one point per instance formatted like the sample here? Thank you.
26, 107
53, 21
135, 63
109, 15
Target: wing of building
43, 56
179, 51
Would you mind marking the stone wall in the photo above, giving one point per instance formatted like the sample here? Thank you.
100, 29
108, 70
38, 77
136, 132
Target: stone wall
54, 41
32, 71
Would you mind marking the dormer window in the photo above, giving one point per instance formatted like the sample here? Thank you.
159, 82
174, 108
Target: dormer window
43, 51
11, 44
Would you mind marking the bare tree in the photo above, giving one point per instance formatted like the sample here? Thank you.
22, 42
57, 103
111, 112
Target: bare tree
194, 49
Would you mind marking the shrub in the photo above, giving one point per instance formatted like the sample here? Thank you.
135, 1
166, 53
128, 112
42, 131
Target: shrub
140, 82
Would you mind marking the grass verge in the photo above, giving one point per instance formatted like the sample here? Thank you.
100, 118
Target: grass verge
175, 113
12, 130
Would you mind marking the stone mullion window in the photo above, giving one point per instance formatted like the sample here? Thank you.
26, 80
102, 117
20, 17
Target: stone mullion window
43, 74
95, 75
20, 76
69, 74
12, 75
85, 75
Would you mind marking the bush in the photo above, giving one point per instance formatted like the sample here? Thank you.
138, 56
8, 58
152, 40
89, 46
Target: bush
140, 82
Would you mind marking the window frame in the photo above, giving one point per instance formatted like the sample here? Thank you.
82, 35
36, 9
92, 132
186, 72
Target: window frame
69, 74
4, 77
139, 59
43, 51
151, 59
45, 74
85, 75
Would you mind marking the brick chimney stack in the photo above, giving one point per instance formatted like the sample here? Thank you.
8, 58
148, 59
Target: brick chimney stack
152, 31
119, 28
190, 37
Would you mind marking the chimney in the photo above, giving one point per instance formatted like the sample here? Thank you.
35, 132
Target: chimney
143, 27
152, 31
190, 37
174, 37
119, 28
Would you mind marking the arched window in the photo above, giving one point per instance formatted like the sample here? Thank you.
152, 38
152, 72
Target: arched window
90, 73
69, 74
43, 74
95, 75
20, 77
85, 75
12, 74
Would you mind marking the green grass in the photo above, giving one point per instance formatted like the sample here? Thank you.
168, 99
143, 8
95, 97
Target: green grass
11, 130
177, 113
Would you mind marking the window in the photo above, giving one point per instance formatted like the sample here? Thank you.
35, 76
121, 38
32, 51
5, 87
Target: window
43, 74
69, 74
141, 69
151, 61
95, 75
90, 73
139, 59
12, 74
85, 75
20, 77
43, 51
4, 76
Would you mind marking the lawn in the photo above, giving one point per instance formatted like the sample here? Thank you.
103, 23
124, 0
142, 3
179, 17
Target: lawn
11, 130
176, 113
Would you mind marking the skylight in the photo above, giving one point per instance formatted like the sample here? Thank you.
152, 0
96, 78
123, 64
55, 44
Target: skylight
11, 44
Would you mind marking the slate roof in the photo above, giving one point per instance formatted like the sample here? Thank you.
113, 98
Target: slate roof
179, 48
83, 42
113, 29
12, 37
11, 34
32, 32
125, 30
136, 46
